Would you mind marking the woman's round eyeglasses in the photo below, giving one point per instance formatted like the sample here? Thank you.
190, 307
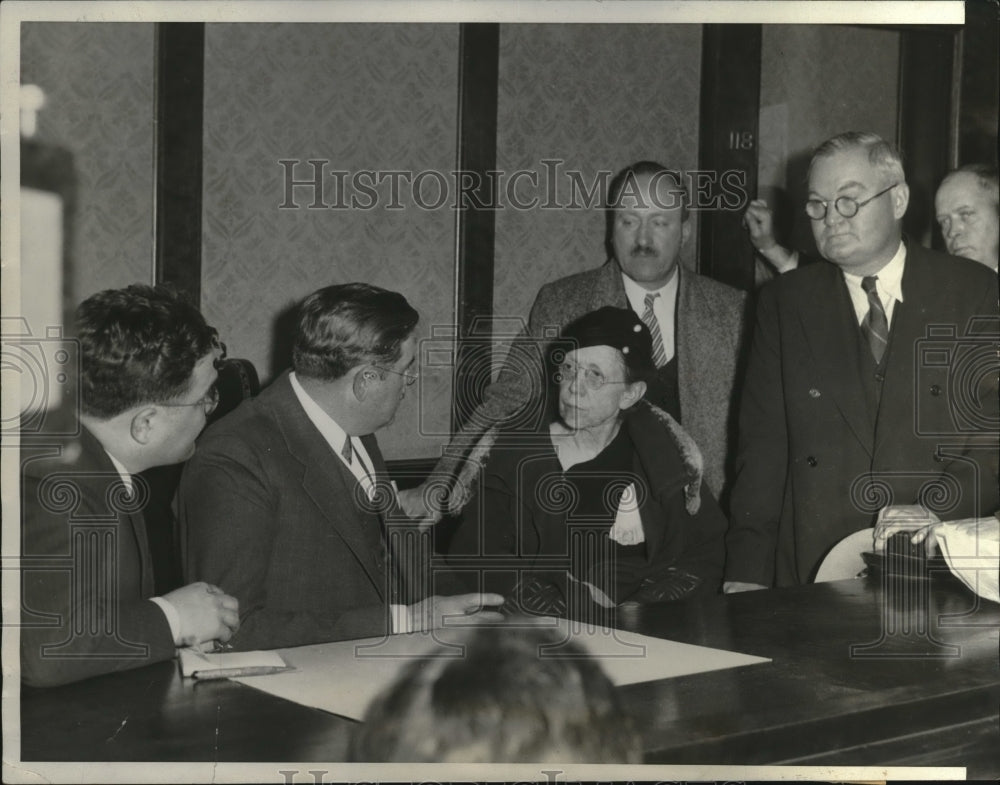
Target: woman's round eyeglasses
592, 378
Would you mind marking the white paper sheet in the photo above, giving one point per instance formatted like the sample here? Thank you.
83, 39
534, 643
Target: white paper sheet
343, 677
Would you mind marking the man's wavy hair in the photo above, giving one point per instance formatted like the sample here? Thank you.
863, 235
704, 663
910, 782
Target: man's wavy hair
138, 345
882, 155
341, 327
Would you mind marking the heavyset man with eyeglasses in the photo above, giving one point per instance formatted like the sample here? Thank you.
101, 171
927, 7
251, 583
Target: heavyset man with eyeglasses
847, 404
287, 504
146, 384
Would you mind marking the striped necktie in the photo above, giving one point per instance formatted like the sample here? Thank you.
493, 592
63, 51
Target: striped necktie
649, 317
875, 325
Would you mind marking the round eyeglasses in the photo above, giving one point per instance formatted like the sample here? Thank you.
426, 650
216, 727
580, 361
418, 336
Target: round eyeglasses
210, 401
592, 378
847, 206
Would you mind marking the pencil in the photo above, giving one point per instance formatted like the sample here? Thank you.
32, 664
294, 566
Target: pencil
238, 673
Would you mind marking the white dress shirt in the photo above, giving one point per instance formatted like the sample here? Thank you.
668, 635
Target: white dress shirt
664, 307
889, 287
361, 467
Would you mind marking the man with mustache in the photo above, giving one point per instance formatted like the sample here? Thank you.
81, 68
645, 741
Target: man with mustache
858, 392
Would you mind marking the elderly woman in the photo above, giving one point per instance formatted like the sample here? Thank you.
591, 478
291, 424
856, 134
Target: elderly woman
603, 506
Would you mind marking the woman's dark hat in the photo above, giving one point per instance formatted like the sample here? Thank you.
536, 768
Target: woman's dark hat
619, 328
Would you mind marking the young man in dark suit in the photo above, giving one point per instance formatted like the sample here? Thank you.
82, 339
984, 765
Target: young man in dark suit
286, 503
866, 378
147, 383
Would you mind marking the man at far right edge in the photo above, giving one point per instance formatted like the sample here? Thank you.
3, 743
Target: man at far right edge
867, 381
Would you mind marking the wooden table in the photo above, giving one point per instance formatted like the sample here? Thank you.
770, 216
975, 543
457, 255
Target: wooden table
857, 678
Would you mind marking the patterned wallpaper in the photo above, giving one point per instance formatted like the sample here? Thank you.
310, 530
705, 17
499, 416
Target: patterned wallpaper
596, 97
817, 81
98, 83
362, 97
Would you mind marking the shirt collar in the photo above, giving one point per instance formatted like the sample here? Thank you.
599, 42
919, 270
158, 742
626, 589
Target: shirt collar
122, 471
890, 277
636, 293
335, 436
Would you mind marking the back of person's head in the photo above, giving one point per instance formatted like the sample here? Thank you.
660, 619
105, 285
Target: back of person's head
138, 345
510, 697
341, 327
882, 155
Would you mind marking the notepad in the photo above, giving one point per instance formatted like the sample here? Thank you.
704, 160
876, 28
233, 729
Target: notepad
192, 661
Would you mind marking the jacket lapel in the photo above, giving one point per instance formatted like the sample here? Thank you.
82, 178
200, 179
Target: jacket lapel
327, 481
829, 324
608, 288
134, 520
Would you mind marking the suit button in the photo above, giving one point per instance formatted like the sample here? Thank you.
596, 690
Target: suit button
811, 461
879, 378
935, 390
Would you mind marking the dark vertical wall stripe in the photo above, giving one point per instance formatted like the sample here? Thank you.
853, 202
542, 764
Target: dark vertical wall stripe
727, 150
925, 90
180, 78
479, 55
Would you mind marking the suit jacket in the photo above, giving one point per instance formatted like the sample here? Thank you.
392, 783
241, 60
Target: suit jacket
269, 513
816, 462
710, 320
86, 572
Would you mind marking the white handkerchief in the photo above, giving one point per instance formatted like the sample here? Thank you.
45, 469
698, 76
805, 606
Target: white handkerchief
627, 529
972, 549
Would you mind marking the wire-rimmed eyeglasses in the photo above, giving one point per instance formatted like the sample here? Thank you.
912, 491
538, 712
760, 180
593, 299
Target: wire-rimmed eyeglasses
210, 401
410, 378
592, 378
847, 206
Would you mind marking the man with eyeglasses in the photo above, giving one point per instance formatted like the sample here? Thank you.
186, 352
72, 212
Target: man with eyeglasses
843, 411
967, 207
287, 505
146, 384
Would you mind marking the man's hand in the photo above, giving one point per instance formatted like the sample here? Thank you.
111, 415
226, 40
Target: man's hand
759, 220
435, 612
206, 613
906, 518
413, 503
733, 587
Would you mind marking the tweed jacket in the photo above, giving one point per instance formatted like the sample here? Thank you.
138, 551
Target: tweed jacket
816, 461
710, 318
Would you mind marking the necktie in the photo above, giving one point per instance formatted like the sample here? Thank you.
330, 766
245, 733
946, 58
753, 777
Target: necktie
875, 325
649, 317
348, 451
